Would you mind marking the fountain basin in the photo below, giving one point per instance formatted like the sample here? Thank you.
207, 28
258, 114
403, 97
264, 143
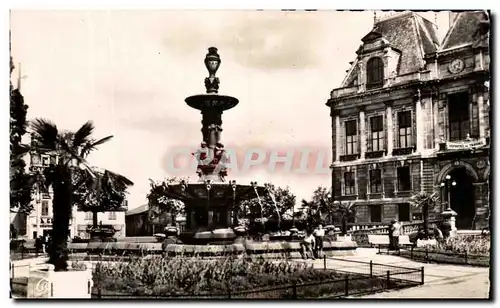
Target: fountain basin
241, 246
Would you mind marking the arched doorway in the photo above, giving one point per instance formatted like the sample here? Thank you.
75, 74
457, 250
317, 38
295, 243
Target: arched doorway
462, 198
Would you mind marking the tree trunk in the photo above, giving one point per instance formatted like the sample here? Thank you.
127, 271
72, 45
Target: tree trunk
61, 208
94, 219
344, 225
425, 212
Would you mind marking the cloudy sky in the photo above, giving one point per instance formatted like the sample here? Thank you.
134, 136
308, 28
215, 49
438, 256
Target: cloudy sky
130, 71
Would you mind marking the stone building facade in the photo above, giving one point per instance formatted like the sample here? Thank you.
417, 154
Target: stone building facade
39, 221
412, 112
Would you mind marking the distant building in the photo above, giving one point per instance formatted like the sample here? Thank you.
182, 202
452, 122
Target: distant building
141, 221
411, 111
39, 221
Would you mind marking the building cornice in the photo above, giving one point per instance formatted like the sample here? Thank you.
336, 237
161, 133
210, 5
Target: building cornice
412, 84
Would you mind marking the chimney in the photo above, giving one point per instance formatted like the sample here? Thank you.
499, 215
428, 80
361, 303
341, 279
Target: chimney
453, 16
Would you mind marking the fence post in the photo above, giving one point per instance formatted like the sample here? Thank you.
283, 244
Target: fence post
422, 275
51, 290
426, 253
324, 261
346, 286
228, 290
411, 253
388, 278
371, 268
99, 293
294, 290
466, 257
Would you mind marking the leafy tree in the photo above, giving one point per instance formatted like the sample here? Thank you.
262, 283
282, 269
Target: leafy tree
425, 201
72, 149
101, 191
13, 231
21, 183
281, 210
160, 204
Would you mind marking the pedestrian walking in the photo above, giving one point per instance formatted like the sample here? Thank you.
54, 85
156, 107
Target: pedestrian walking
307, 245
395, 232
319, 233
38, 245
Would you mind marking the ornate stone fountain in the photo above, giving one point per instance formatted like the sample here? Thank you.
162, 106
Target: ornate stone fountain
211, 204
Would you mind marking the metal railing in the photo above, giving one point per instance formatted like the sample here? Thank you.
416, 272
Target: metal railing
359, 278
429, 255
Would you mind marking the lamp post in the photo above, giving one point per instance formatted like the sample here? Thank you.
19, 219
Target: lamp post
448, 183
449, 214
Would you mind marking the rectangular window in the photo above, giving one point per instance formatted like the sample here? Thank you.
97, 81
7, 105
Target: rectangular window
404, 212
45, 208
458, 114
375, 181
404, 183
349, 183
88, 215
377, 127
112, 215
375, 213
404, 123
351, 137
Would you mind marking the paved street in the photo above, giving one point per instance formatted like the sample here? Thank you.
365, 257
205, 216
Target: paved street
441, 281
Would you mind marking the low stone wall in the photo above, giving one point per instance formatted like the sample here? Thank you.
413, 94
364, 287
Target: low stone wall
240, 247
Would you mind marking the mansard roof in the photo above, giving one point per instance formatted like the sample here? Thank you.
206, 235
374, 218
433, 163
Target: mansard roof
466, 30
408, 33
411, 34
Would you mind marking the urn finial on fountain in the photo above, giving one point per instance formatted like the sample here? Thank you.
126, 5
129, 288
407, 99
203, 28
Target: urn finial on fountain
212, 63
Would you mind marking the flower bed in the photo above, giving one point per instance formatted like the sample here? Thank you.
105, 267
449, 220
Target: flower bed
472, 244
462, 249
192, 277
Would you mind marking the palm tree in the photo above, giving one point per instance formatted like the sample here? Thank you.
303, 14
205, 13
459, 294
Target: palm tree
426, 201
344, 211
71, 148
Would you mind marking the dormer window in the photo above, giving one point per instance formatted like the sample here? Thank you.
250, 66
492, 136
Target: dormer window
374, 73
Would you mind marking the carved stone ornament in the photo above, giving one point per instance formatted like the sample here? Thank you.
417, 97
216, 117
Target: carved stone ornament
456, 66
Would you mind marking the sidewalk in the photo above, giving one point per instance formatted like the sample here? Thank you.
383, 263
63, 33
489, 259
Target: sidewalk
441, 280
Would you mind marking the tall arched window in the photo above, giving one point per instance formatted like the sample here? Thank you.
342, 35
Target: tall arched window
374, 73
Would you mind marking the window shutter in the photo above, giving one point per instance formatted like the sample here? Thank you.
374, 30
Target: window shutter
474, 115
342, 138
369, 135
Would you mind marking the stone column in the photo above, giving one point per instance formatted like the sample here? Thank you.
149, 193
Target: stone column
362, 133
435, 115
480, 107
338, 140
390, 130
420, 125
